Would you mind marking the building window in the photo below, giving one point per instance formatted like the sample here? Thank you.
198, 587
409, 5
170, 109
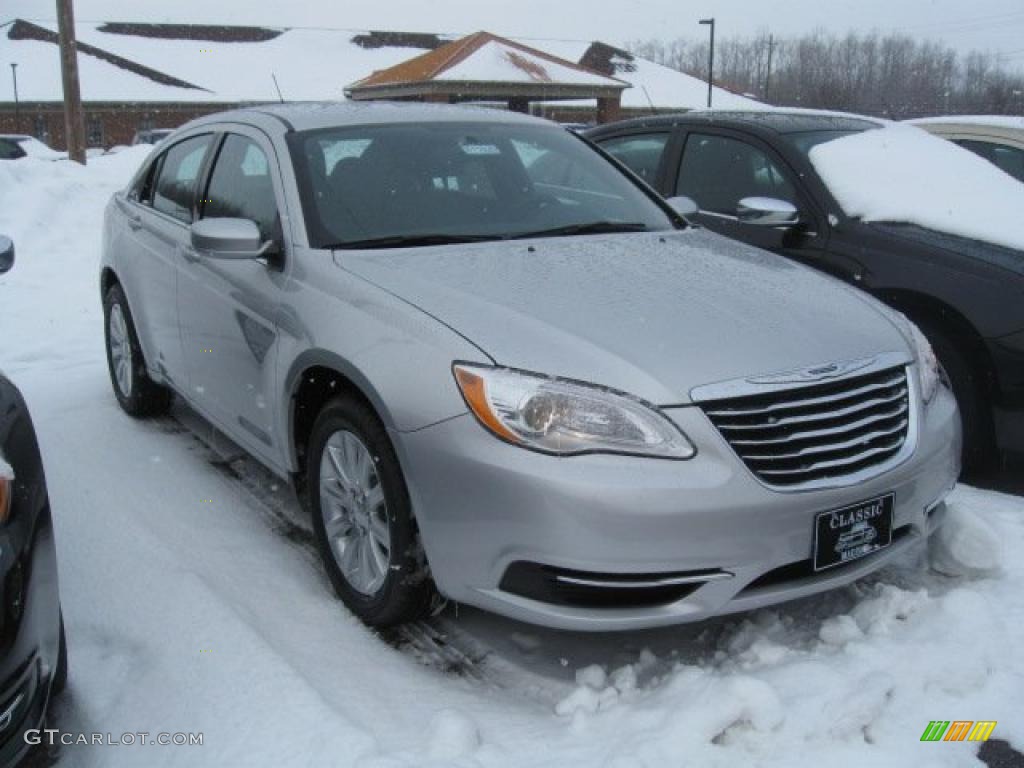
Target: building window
94, 131
146, 124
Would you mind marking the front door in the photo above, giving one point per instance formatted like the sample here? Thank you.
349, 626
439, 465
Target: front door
717, 170
227, 309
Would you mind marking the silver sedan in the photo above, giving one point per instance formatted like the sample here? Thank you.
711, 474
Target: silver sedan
500, 370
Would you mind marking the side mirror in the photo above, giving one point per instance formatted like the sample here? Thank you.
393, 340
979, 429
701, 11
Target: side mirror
6, 253
767, 212
684, 206
225, 238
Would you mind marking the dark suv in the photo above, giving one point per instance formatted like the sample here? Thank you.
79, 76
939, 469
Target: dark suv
966, 295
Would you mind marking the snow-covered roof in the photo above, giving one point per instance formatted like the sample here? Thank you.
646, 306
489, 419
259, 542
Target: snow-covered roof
195, 63
993, 121
483, 58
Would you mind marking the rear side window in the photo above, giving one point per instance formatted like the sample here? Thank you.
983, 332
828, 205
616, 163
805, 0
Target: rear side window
719, 171
241, 186
641, 154
180, 166
1008, 159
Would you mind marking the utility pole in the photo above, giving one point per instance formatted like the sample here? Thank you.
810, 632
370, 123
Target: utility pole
17, 106
711, 56
74, 121
768, 72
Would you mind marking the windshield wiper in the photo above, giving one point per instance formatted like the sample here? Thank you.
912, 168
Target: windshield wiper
402, 241
587, 228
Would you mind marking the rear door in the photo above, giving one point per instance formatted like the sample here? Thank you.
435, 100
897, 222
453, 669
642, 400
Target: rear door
717, 168
228, 308
643, 152
159, 212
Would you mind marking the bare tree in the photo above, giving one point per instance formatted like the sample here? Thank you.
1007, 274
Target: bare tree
889, 75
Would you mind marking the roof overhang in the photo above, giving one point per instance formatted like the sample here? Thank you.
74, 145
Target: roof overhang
477, 90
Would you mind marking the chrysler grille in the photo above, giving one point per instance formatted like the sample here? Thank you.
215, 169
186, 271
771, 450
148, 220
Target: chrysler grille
817, 433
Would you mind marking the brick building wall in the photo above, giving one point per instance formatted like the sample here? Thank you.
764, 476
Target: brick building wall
106, 124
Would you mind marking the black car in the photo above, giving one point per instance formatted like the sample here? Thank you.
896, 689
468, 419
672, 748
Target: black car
967, 296
9, 150
33, 653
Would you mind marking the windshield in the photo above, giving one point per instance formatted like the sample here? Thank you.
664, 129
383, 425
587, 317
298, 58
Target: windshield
805, 141
448, 182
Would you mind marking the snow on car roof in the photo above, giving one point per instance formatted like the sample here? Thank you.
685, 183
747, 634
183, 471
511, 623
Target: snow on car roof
902, 174
995, 121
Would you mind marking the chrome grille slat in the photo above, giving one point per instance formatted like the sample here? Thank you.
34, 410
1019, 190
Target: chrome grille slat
817, 433
894, 381
807, 434
899, 428
898, 396
853, 459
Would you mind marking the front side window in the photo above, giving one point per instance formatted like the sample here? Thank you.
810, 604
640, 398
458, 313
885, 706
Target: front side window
461, 180
640, 153
241, 187
719, 171
180, 166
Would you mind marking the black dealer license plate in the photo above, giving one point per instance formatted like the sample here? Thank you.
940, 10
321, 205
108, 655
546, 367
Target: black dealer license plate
846, 534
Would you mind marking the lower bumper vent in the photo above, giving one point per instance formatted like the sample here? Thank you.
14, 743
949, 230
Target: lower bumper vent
582, 589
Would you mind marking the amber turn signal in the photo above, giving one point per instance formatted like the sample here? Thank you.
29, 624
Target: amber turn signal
474, 390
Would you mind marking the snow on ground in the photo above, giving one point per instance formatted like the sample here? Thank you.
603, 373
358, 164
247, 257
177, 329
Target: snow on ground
900, 173
194, 603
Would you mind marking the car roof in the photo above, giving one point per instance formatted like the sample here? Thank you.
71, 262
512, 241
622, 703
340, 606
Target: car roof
774, 121
303, 116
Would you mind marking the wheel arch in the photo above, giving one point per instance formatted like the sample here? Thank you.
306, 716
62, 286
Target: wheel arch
923, 308
108, 279
315, 377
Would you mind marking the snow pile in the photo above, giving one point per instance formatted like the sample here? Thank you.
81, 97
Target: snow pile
900, 173
965, 545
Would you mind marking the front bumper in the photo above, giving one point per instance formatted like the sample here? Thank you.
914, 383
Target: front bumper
31, 638
483, 505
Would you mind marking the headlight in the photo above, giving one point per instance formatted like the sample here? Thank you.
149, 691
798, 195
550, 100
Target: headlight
929, 370
562, 417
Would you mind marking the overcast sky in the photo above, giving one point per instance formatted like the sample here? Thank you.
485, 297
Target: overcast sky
995, 25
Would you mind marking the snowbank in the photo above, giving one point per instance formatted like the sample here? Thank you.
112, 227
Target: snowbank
900, 173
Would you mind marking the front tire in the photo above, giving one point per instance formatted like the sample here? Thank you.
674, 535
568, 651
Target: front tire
979, 447
136, 392
362, 517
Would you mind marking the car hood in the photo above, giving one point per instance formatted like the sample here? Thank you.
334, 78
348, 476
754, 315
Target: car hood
652, 314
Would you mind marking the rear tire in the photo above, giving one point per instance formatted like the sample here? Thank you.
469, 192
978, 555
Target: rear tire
362, 517
979, 447
136, 392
